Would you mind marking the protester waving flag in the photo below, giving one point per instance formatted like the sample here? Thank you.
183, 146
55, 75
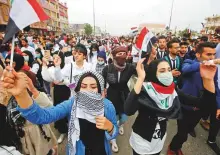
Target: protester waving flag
22, 14
144, 41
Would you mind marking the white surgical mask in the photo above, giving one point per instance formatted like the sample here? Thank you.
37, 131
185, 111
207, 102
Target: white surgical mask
38, 55
166, 78
26, 58
101, 62
94, 52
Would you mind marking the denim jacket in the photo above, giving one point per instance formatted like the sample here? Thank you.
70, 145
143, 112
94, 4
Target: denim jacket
37, 115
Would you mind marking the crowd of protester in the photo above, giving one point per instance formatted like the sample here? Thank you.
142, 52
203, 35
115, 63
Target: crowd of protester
82, 86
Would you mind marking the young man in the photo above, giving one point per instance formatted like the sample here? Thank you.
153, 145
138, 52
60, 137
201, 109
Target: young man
26, 47
161, 51
194, 103
183, 50
173, 59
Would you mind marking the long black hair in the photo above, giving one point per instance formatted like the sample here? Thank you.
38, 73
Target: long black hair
19, 61
31, 58
77, 89
95, 46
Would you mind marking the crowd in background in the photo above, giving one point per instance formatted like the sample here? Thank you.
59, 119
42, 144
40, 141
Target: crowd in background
168, 85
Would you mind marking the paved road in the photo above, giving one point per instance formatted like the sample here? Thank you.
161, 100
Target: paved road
194, 146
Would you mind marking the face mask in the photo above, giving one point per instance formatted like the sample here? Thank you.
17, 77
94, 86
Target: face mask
94, 52
166, 78
101, 62
120, 60
26, 58
37, 55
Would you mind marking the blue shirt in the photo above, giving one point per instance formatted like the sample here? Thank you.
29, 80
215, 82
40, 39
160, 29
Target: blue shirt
37, 115
192, 83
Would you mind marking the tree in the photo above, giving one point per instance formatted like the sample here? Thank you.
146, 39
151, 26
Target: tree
88, 29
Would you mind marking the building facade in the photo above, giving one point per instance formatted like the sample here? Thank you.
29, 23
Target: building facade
211, 24
58, 13
4, 14
153, 27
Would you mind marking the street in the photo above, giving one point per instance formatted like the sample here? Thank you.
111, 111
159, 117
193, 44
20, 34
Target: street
194, 146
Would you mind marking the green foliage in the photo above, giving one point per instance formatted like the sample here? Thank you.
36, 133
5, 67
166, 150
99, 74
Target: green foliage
88, 29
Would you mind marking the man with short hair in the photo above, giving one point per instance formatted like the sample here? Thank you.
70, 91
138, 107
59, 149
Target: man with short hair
161, 51
183, 50
192, 100
26, 47
173, 59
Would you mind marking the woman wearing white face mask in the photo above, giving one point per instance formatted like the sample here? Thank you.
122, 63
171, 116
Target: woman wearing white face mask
101, 62
92, 56
156, 100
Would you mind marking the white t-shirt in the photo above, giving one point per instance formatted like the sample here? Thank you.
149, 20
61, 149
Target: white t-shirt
144, 147
29, 48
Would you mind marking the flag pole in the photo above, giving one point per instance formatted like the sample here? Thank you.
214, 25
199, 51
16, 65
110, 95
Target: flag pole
12, 51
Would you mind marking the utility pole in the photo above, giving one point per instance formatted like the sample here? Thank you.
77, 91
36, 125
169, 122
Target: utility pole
94, 16
171, 14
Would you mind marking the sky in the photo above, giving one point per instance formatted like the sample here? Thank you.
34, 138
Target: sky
118, 16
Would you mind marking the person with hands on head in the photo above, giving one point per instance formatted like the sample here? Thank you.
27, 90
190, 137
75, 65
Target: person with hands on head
91, 117
155, 99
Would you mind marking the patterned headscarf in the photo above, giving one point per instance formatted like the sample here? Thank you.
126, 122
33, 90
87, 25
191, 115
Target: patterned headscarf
87, 105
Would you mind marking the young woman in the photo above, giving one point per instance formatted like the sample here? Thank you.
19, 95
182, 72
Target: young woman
92, 57
156, 101
117, 76
92, 119
37, 66
28, 58
101, 62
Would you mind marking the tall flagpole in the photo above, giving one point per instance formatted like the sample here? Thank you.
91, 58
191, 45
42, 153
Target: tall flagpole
171, 14
94, 16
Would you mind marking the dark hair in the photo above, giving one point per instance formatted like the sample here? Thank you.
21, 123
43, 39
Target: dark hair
184, 43
25, 40
171, 42
39, 51
204, 38
81, 48
200, 47
19, 61
31, 58
161, 37
77, 89
95, 46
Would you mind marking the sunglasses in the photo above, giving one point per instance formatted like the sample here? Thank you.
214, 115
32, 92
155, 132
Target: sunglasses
7, 63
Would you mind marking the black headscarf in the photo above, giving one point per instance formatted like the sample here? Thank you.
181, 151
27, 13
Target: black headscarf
31, 58
19, 61
151, 75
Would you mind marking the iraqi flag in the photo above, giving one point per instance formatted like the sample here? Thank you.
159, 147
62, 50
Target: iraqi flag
22, 14
145, 42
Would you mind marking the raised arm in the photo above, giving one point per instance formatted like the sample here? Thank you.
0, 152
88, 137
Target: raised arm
131, 104
189, 67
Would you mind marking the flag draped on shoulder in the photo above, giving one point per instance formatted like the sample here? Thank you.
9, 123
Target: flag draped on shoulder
22, 14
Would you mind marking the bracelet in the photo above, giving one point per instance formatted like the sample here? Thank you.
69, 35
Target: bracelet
111, 129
